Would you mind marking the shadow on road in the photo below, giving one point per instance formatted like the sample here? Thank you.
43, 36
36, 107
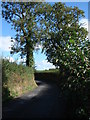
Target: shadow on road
45, 101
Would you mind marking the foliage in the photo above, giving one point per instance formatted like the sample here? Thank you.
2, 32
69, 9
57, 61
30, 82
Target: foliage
66, 46
64, 41
16, 80
23, 16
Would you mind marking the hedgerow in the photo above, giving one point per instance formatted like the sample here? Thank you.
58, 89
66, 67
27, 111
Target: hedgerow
16, 80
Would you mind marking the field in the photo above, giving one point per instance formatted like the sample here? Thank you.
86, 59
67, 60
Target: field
48, 71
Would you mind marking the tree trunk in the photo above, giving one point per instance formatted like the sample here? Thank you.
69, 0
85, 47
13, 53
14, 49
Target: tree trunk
29, 55
27, 59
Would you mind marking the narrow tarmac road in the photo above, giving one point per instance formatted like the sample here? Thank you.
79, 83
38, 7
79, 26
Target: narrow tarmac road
45, 101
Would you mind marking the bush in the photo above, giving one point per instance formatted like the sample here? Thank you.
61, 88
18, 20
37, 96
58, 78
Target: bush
16, 80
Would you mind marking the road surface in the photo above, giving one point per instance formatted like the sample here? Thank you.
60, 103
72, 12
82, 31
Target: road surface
45, 101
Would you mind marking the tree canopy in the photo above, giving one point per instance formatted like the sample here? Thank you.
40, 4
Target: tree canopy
66, 44
57, 27
23, 16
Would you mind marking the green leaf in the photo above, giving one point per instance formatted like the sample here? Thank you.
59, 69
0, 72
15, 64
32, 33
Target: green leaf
71, 41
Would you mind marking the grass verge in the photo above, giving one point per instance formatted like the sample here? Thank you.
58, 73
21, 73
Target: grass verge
16, 80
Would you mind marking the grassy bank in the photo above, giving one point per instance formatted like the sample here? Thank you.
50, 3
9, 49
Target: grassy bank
16, 80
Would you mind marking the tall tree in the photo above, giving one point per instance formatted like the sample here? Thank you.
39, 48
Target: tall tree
66, 44
23, 16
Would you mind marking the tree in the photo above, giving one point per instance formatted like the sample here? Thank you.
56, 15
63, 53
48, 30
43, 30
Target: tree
23, 16
66, 39
67, 46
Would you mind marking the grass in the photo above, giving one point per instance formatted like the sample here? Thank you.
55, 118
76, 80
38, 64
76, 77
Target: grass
16, 80
48, 71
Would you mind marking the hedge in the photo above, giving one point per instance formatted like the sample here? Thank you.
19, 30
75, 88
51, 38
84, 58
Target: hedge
16, 80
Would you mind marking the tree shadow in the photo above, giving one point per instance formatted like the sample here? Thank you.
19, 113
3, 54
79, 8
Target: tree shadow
48, 78
43, 102
46, 101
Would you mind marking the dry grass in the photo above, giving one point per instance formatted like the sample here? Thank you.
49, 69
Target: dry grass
17, 80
